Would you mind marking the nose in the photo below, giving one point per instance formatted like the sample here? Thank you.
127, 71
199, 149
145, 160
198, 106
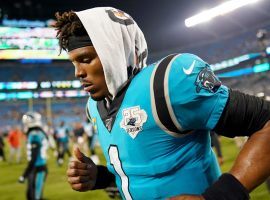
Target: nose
79, 72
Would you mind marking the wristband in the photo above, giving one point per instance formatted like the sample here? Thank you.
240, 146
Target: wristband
104, 178
227, 187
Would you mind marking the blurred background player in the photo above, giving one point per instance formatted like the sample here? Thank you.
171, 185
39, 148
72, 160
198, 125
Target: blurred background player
2, 145
37, 144
50, 132
91, 139
15, 142
62, 141
79, 136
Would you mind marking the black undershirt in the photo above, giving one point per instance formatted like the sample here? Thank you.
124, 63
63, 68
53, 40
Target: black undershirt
108, 115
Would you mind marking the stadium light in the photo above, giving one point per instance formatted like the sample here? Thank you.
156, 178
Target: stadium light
268, 50
221, 9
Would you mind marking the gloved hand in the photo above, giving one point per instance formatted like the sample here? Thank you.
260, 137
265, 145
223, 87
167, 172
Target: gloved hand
21, 179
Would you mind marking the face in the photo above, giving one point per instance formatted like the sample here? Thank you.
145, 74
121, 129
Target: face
89, 70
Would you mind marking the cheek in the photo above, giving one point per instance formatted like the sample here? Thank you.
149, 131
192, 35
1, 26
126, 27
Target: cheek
95, 68
96, 74
100, 78
98, 68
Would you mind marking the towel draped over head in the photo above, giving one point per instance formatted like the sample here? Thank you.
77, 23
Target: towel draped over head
119, 43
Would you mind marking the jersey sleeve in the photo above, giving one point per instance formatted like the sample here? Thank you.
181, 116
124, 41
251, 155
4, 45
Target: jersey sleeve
196, 95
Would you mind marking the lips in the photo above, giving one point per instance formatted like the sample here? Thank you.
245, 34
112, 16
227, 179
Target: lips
88, 87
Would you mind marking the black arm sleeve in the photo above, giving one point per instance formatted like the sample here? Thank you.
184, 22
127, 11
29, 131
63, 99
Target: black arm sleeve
243, 115
104, 178
34, 154
227, 187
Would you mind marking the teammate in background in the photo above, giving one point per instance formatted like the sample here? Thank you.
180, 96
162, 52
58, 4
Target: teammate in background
2, 146
37, 144
62, 140
79, 137
49, 130
15, 141
91, 137
154, 121
215, 143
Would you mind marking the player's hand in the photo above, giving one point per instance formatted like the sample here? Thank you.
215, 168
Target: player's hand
21, 179
187, 197
82, 174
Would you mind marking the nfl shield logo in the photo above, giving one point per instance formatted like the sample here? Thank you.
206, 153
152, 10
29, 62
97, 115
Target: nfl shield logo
133, 120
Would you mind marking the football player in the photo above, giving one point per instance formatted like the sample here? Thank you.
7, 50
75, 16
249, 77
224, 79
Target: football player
37, 144
62, 140
154, 121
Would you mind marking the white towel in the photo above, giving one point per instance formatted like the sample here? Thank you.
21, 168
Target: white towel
117, 40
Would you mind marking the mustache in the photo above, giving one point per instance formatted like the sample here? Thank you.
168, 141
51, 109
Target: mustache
85, 82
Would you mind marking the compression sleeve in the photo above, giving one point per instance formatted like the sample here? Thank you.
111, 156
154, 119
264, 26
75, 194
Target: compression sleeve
243, 115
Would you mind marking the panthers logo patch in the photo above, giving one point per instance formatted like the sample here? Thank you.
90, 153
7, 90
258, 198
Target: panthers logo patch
120, 17
207, 80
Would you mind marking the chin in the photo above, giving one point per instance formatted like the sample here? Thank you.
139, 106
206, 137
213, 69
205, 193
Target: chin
97, 97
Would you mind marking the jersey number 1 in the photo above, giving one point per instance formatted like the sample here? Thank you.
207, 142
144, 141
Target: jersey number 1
117, 165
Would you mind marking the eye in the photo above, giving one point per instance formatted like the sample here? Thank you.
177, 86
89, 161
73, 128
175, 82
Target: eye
86, 60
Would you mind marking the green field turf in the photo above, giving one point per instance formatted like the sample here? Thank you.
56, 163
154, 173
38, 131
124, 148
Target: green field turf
230, 151
57, 188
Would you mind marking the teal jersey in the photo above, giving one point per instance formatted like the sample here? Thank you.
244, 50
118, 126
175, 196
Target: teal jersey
37, 140
150, 160
62, 134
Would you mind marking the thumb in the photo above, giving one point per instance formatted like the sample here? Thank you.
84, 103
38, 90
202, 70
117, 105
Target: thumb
80, 156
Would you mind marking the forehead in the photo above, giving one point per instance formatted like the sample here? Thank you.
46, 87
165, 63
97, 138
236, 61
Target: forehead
83, 51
